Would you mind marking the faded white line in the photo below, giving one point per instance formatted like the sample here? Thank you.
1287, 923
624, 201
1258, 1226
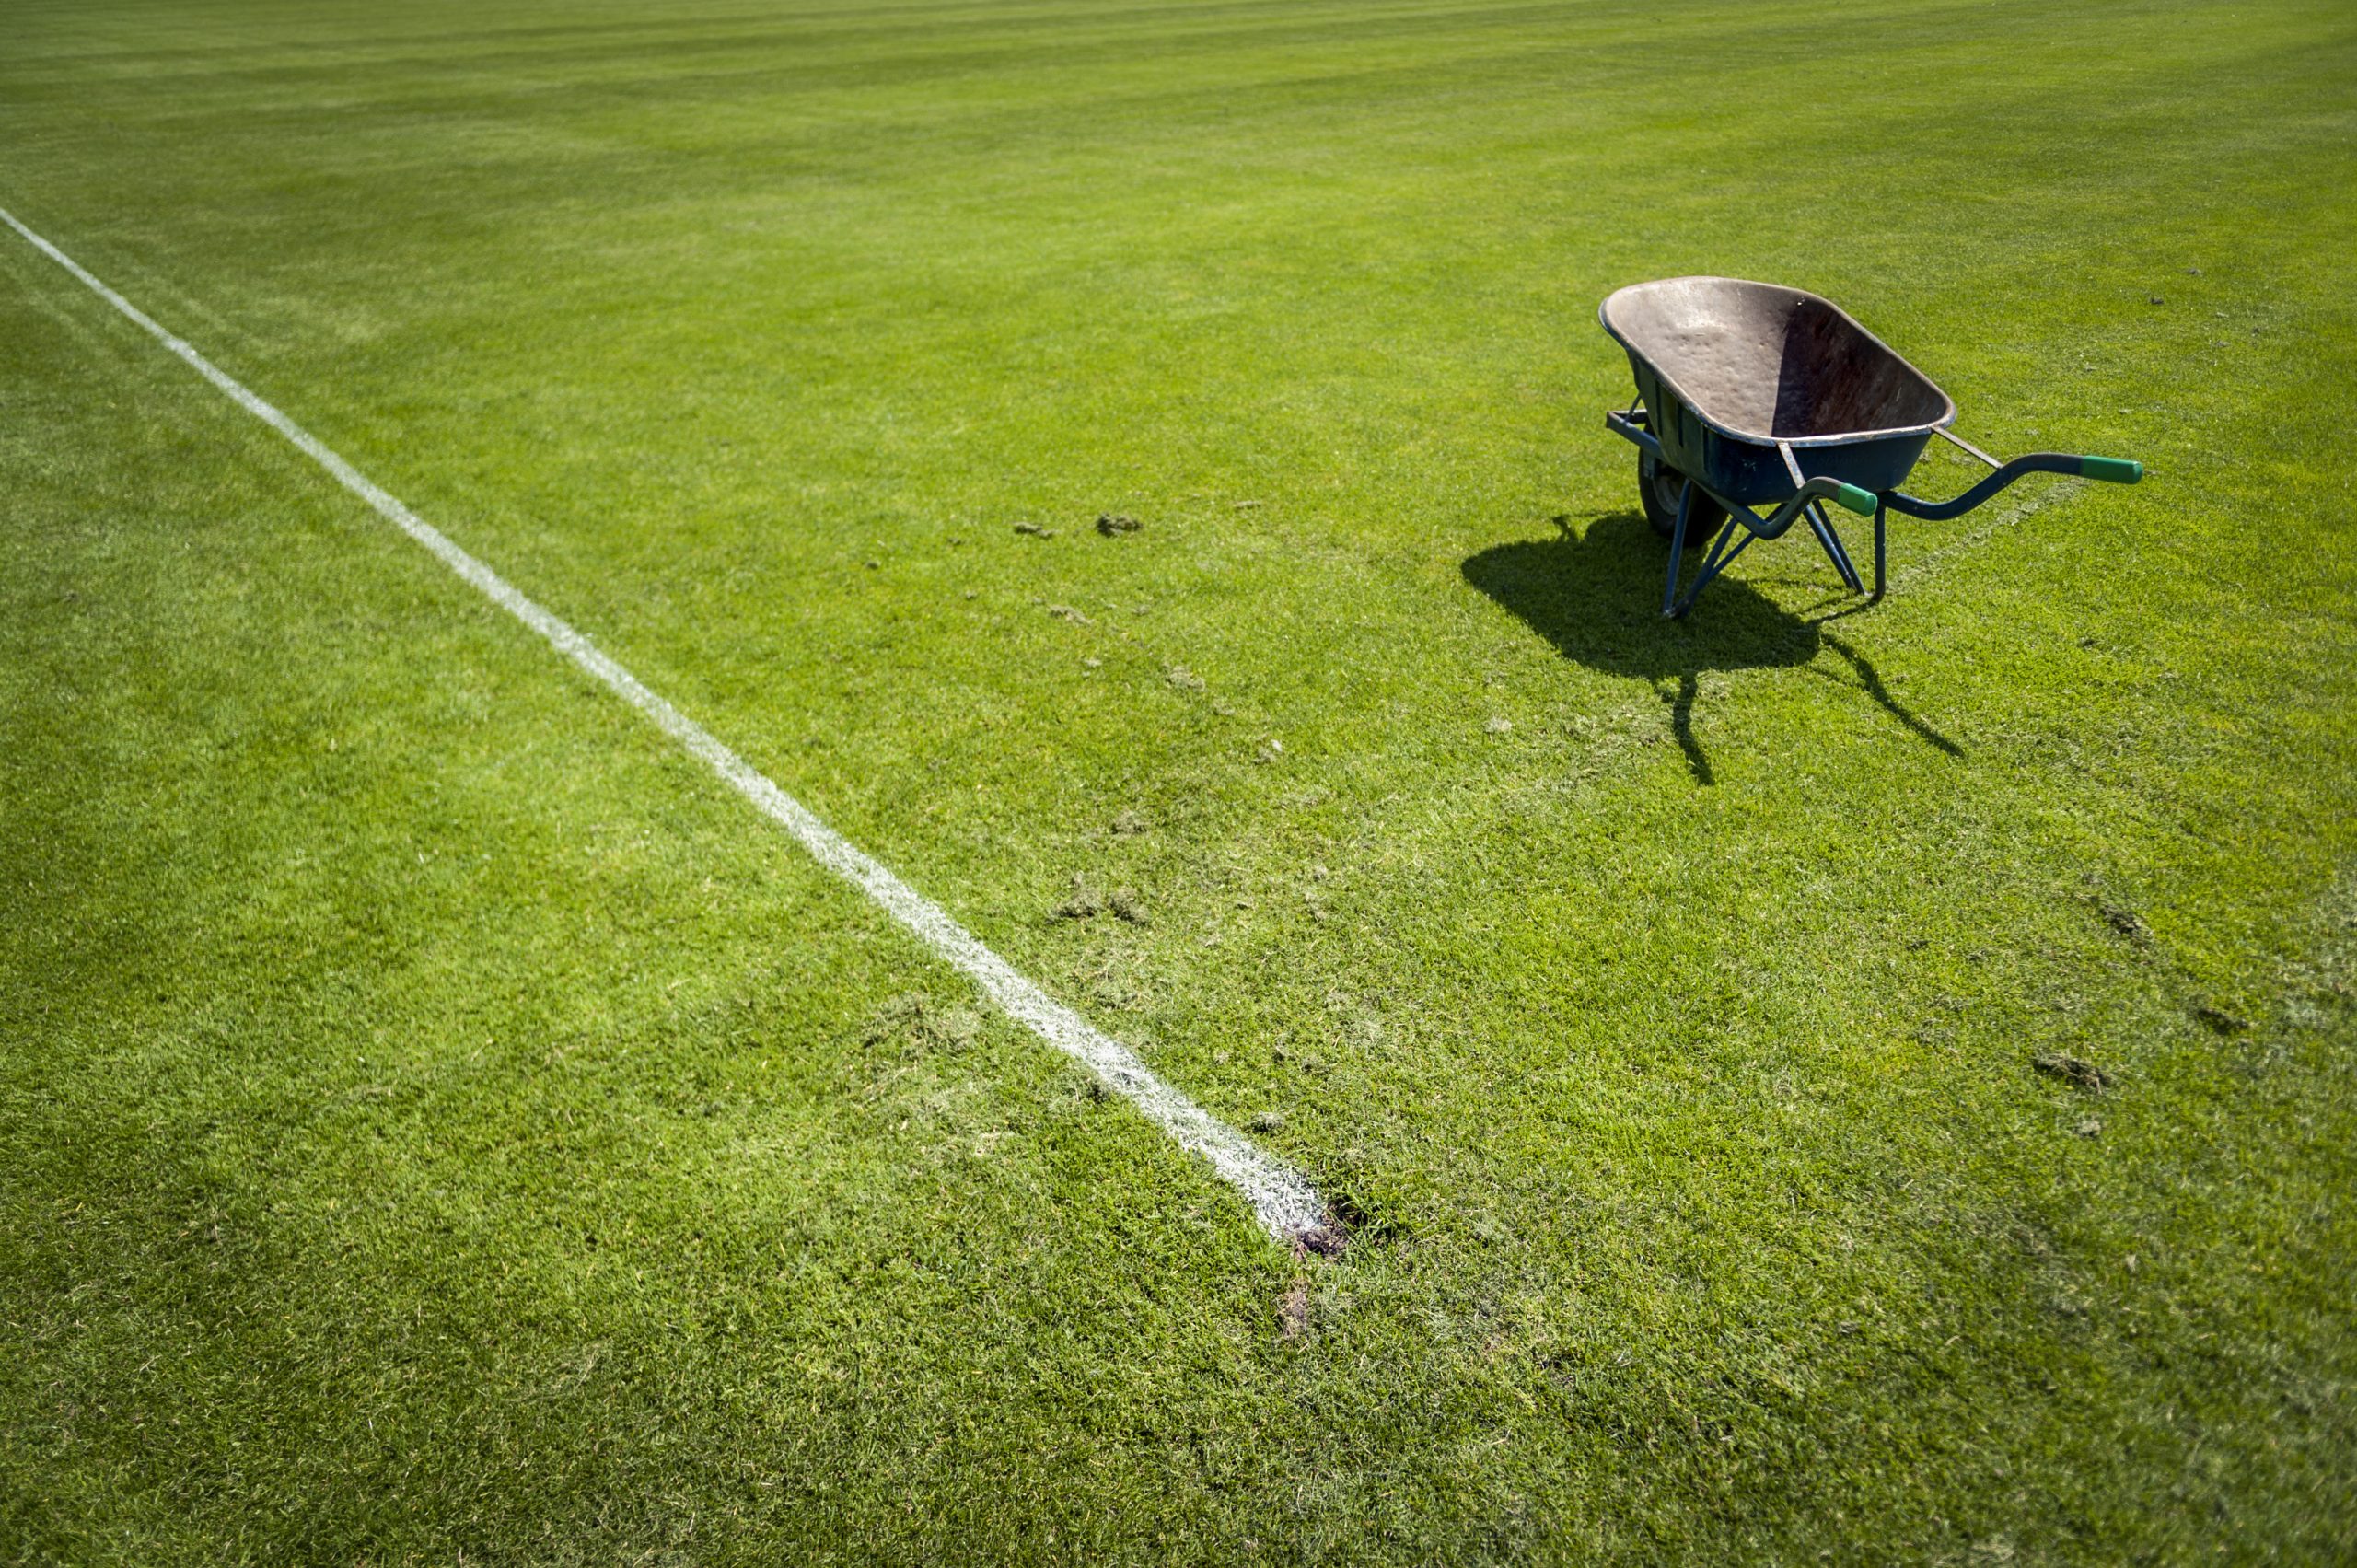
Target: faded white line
1280, 1196
2022, 505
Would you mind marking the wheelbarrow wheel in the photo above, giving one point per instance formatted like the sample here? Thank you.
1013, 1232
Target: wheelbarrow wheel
1659, 484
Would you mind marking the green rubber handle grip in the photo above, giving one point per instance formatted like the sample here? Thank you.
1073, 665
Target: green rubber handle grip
2116, 470
1862, 501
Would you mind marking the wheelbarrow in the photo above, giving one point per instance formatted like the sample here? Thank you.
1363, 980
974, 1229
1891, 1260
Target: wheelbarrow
1752, 395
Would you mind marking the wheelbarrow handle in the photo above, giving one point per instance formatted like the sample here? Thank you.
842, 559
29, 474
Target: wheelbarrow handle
1795, 506
1862, 502
2112, 470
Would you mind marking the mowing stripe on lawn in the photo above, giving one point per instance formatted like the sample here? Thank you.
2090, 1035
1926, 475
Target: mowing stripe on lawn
1280, 1196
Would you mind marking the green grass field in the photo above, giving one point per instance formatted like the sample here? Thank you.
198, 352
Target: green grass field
439, 1122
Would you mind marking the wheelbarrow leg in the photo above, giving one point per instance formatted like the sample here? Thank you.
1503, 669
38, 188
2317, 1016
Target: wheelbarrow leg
1849, 567
1880, 510
1676, 549
1717, 560
1822, 526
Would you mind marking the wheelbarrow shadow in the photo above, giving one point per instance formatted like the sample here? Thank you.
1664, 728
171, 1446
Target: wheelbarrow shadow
1592, 594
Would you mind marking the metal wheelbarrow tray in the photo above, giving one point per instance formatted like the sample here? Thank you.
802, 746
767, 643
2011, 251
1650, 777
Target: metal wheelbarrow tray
1750, 394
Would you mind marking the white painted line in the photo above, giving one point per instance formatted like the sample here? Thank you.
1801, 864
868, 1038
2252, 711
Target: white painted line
2021, 506
1282, 1198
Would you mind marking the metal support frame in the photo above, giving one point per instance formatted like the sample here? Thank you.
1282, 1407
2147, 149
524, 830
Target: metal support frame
1726, 547
1715, 562
1882, 552
1830, 541
1808, 500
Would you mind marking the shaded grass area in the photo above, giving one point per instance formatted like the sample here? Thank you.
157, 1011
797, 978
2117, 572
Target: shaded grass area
434, 1118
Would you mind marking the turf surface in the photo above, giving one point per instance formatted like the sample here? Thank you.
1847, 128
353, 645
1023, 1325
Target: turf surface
437, 1119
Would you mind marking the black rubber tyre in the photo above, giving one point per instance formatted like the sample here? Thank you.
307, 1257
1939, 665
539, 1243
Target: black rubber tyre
1658, 485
